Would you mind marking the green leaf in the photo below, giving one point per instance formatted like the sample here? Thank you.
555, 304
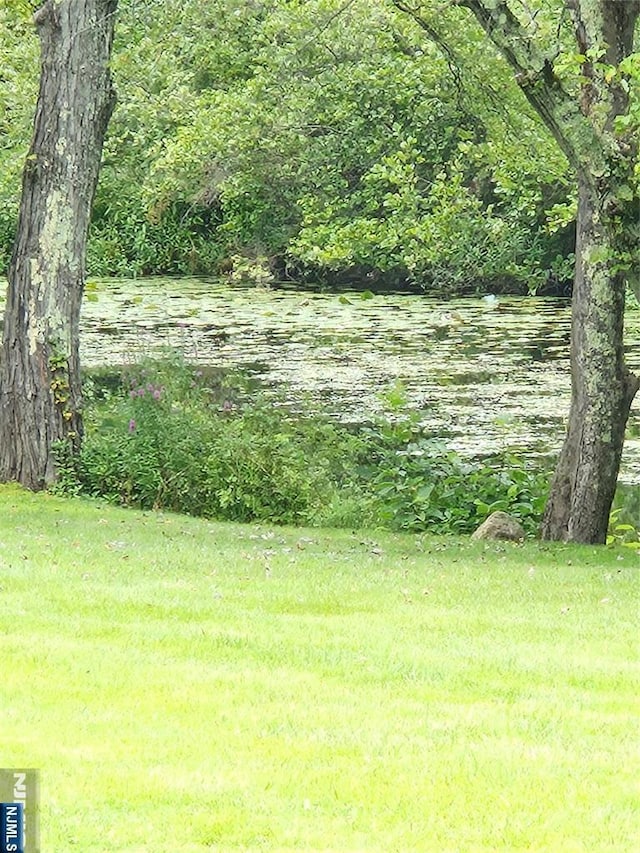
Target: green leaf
625, 192
425, 492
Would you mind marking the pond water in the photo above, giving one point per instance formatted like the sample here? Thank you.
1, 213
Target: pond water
488, 373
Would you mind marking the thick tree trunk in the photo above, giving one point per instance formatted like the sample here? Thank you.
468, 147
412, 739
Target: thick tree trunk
40, 395
602, 386
584, 125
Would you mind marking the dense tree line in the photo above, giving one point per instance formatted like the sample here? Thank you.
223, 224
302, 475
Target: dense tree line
321, 140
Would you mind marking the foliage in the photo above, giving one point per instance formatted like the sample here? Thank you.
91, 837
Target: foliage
126, 240
18, 87
164, 435
419, 484
622, 533
350, 145
167, 439
331, 139
624, 521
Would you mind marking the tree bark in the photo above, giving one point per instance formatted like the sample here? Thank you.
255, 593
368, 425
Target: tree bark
40, 392
602, 387
607, 254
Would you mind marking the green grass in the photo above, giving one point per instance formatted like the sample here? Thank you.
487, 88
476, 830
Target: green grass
190, 686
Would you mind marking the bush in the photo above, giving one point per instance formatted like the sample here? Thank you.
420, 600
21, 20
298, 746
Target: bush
125, 240
169, 437
421, 485
165, 435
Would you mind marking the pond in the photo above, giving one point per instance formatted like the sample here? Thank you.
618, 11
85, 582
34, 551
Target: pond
489, 373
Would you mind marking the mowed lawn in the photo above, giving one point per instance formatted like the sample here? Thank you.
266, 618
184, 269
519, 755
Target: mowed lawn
185, 685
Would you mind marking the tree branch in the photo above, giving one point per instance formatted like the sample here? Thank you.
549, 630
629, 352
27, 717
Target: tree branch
508, 33
534, 74
604, 31
606, 25
436, 38
327, 23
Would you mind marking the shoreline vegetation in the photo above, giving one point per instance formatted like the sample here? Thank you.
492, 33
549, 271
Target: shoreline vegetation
164, 434
263, 154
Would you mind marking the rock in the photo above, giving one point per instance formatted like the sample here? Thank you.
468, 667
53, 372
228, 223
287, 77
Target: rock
500, 525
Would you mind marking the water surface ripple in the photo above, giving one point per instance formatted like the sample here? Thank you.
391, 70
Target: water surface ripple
487, 373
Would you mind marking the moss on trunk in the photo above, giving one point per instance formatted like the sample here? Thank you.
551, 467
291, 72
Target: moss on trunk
40, 395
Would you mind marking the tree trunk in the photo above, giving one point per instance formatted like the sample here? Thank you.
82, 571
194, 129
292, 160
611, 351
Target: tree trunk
40, 393
603, 388
583, 122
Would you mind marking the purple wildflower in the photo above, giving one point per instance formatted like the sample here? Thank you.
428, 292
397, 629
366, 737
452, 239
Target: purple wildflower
132, 425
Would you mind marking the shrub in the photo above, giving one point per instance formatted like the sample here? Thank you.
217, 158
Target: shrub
165, 435
421, 485
170, 437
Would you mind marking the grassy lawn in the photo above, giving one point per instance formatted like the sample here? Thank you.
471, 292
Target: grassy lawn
190, 686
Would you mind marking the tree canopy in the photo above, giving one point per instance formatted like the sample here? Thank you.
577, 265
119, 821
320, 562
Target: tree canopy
328, 140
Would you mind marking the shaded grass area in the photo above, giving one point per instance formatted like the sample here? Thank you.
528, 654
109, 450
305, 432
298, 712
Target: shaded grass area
187, 686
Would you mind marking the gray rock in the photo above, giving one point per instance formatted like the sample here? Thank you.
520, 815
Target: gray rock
500, 525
